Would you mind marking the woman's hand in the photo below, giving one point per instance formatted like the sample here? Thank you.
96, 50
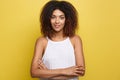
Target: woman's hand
74, 71
41, 65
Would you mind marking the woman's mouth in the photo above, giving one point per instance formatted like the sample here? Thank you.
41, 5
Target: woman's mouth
57, 26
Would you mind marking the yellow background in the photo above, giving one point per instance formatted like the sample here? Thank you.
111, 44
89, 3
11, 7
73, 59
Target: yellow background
99, 28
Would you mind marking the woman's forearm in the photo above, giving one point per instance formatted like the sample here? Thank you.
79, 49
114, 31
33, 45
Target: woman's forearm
57, 73
46, 73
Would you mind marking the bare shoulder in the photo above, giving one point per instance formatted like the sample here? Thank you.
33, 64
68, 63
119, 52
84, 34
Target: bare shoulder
41, 41
76, 38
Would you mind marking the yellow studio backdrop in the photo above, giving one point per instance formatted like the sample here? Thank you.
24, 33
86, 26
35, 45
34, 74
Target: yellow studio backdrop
99, 28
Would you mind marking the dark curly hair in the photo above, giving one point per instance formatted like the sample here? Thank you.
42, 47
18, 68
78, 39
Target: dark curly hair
70, 16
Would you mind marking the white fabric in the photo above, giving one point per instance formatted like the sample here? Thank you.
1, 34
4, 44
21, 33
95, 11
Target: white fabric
59, 55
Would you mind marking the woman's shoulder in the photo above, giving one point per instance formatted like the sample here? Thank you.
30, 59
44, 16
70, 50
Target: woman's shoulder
41, 40
75, 38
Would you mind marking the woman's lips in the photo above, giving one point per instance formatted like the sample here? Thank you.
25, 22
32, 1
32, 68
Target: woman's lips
57, 26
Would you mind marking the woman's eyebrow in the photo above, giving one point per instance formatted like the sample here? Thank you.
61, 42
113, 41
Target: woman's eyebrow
58, 15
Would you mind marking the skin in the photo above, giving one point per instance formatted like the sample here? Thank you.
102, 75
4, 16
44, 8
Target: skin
38, 68
58, 21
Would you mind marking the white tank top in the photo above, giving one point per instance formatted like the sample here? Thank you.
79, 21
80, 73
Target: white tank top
59, 55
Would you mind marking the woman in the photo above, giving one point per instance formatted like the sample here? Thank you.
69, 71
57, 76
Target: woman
58, 53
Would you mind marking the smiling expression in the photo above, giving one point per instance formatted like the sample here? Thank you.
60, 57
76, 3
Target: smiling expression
57, 20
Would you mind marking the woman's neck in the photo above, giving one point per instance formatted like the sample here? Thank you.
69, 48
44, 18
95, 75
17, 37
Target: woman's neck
58, 37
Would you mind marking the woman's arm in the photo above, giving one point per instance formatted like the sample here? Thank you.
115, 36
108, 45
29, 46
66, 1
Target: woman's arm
38, 52
47, 73
78, 47
66, 74
79, 53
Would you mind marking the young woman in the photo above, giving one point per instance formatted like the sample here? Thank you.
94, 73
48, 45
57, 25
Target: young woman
58, 53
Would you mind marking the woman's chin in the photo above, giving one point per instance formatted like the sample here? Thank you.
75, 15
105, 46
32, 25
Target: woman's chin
57, 30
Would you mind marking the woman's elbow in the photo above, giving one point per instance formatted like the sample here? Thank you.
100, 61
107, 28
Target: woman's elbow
33, 73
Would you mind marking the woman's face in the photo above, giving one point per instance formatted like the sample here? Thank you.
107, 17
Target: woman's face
57, 20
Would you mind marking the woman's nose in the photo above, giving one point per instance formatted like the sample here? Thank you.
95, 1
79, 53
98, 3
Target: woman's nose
57, 20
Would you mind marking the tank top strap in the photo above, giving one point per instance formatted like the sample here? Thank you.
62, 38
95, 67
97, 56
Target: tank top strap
47, 38
68, 38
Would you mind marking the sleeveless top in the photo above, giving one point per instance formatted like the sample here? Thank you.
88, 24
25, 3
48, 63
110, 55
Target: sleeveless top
59, 54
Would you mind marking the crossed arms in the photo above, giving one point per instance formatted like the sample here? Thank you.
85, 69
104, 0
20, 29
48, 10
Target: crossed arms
39, 70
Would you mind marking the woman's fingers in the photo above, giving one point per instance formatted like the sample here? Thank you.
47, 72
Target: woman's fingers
80, 70
41, 65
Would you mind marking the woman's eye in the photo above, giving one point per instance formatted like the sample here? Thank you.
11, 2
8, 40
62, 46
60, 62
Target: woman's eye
52, 17
62, 17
